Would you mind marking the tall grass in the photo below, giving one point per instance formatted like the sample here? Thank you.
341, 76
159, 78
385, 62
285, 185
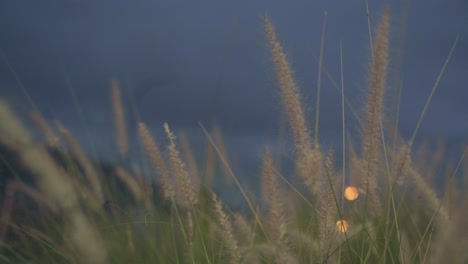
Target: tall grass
75, 210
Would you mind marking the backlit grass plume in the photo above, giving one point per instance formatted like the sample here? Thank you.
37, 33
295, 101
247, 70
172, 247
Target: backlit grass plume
309, 161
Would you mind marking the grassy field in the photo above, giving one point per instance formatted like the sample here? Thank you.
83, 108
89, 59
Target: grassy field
378, 205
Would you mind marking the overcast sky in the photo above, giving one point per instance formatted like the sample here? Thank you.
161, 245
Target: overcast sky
208, 61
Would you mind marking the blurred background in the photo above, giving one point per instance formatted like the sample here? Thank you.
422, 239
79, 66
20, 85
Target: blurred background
185, 62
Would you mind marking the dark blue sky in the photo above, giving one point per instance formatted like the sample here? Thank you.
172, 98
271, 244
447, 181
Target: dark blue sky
208, 61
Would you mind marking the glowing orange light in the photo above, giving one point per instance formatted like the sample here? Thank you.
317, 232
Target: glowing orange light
351, 193
342, 226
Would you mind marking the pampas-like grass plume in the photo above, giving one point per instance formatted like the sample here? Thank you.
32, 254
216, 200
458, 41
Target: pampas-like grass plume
273, 197
156, 159
308, 160
327, 211
430, 197
373, 121
185, 188
119, 119
45, 129
228, 231
289, 92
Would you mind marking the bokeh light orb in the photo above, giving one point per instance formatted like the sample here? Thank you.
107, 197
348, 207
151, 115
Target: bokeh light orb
351, 193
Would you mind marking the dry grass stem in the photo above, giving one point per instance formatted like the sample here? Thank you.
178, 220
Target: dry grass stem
273, 197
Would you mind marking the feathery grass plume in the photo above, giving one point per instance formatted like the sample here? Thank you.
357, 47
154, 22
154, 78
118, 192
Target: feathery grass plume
184, 185
119, 117
327, 209
289, 92
55, 183
228, 232
451, 246
308, 159
371, 132
310, 168
243, 228
156, 159
45, 129
11, 128
273, 197
430, 197
89, 170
